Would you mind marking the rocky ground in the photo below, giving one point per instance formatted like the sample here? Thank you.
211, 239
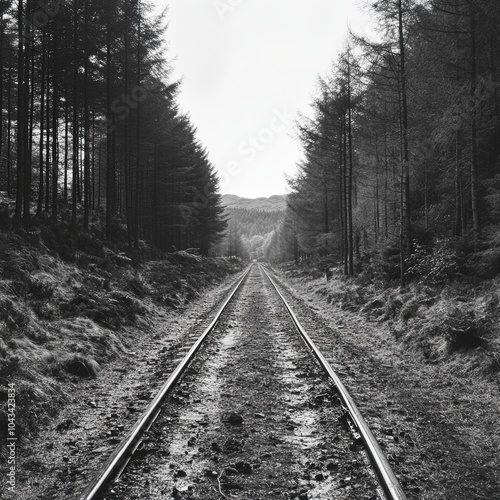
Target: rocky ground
59, 462
241, 427
254, 418
439, 428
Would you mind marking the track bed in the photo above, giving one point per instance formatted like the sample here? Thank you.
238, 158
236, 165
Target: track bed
254, 417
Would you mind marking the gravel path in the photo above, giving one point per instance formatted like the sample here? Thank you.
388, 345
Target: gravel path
440, 431
254, 418
61, 461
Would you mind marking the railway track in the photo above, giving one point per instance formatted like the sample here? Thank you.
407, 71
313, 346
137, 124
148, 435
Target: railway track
246, 414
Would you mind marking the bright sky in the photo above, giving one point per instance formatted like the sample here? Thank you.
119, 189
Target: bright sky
248, 68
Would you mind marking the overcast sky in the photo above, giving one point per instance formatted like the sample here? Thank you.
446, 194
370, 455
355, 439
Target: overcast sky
248, 67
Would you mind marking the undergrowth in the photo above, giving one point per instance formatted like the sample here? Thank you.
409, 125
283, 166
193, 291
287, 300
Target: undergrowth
69, 303
449, 313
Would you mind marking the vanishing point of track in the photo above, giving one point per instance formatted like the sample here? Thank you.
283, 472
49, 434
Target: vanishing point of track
389, 486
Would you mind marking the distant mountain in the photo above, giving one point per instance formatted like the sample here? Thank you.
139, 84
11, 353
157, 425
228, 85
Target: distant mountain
276, 203
252, 223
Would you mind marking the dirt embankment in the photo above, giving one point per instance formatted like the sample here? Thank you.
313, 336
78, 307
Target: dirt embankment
436, 416
455, 325
69, 304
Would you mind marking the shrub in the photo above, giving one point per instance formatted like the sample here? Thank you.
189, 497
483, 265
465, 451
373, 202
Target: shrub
41, 286
17, 261
392, 307
464, 329
409, 310
5, 221
434, 266
60, 239
80, 366
50, 365
383, 266
451, 328
135, 283
375, 306
183, 257
89, 244
111, 310
37, 334
129, 307
353, 298
15, 316
485, 263
8, 365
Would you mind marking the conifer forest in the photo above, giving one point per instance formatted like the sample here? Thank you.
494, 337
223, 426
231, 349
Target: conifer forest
249, 249
90, 125
400, 170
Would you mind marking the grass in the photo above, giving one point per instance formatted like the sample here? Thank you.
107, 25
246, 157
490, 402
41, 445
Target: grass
456, 324
69, 304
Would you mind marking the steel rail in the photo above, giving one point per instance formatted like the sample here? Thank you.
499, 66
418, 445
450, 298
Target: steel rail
386, 476
124, 451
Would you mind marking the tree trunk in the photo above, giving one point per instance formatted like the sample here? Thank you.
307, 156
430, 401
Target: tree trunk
350, 169
474, 161
47, 141
110, 166
9, 132
86, 131
20, 112
99, 175
458, 187
377, 194
66, 147
386, 189
74, 179
1, 82
138, 129
30, 77
341, 192
345, 198
42, 125
92, 187
126, 149
426, 196
25, 125
405, 167
55, 125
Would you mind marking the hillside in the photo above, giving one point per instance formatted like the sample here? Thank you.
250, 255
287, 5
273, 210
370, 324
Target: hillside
252, 223
275, 203
71, 303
